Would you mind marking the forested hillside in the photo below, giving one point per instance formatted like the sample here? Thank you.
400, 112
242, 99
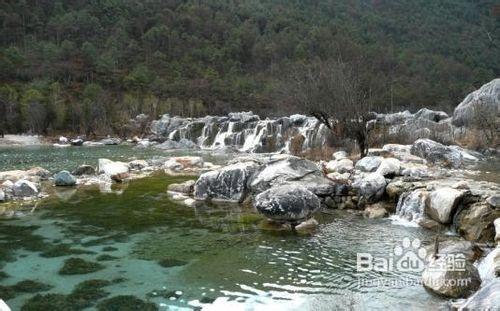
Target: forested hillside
87, 66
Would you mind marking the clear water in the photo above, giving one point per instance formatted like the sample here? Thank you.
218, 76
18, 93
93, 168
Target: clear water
222, 257
55, 159
230, 260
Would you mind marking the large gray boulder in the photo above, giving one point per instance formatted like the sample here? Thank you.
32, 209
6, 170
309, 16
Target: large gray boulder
435, 152
371, 186
449, 281
476, 222
288, 203
64, 178
431, 115
25, 188
111, 141
486, 298
112, 168
442, 204
226, 184
369, 164
481, 104
277, 172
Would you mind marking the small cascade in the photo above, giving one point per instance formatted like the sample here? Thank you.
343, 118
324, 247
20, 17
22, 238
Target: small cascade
254, 140
410, 208
220, 138
486, 266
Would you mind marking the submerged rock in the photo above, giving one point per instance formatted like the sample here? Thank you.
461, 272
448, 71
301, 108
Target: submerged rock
79, 266
126, 302
375, 211
450, 282
288, 203
64, 178
226, 184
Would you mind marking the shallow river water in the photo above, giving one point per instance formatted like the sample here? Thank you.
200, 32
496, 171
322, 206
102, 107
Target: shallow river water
215, 257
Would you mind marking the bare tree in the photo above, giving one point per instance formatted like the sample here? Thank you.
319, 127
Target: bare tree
334, 92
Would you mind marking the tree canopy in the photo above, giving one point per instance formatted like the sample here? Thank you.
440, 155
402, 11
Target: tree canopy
88, 66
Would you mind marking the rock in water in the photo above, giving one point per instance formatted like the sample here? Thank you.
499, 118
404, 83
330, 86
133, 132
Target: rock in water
368, 164
64, 178
25, 188
487, 298
226, 184
137, 165
450, 281
186, 187
84, 170
371, 186
111, 168
484, 101
77, 142
450, 156
277, 172
442, 203
288, 203
111, 141
494, 200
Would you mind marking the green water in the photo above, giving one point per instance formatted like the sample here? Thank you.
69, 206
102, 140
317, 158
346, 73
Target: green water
211, 257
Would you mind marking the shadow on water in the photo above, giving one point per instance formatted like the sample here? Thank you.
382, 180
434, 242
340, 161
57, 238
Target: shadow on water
207, 255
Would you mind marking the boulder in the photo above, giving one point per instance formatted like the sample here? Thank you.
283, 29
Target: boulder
370, 186
181, 163
486, 298
431, 115
397, 148
120, 177
288, 169
479, 104
369, 164
442, 204
2, 196
448, 281
389, 167
84, 170
111, 141
13, 175
494, 201
449, 156
92, 144
453, 247
475, 222
63, 140
25, 188
307, 226
111, 168
7, 185
64, 178
287, 203
77, 142
137, 165
226, 184
341, 166
39, 172
186, 187
339, 155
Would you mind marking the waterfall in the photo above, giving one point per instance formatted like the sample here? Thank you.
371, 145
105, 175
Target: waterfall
243, 130
410, 208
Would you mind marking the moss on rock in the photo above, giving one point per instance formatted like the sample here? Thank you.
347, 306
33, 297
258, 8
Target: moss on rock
53, 302
171, 262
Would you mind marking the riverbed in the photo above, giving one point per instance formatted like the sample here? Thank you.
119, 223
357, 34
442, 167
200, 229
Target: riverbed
215, 257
